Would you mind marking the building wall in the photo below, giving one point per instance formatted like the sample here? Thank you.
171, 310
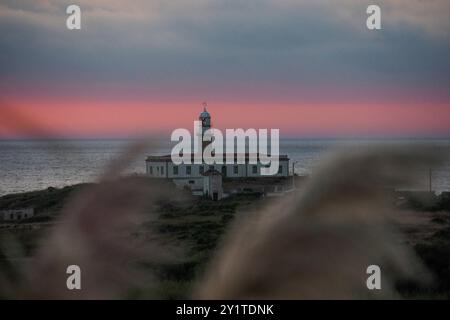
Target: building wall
157, 169
169, 170
254, 170
213, 184
284, 168
192, 183
16, 215
248, 170
236, 170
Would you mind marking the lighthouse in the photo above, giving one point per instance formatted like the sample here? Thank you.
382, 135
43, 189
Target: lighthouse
192, 175
205, 119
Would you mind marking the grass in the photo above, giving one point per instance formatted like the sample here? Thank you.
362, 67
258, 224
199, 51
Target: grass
428, 202
45, 202
198, 225
436, 255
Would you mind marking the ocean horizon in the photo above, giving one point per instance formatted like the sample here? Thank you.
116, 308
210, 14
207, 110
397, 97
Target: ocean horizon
36, 164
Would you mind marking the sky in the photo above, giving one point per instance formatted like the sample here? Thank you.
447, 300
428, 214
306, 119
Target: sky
308, 68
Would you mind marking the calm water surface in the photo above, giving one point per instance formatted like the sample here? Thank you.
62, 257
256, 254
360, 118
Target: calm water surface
33, 165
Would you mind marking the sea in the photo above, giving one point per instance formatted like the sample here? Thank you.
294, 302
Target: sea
27, 165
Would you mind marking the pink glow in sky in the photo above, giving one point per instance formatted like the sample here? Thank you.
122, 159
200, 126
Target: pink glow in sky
92, 118
309, 68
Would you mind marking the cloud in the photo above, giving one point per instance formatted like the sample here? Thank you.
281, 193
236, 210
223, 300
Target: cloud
223, 44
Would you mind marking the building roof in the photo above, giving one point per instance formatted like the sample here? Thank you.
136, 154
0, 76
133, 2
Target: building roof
168, 158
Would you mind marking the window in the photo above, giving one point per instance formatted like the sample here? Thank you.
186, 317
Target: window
224, 171
162, 170
188, 170
175, 170
280, 170
11, 216
235, 169
202, 169
211, 168
151, 170
255, 169
191, 181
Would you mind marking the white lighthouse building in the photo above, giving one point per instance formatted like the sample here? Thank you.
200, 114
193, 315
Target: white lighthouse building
194, 175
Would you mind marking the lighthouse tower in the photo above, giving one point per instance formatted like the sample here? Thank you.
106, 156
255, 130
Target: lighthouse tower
205, 118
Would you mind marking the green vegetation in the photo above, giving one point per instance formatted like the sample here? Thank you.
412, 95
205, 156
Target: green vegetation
434, 250
435, 253
426, 201
195, 225
46, 202
198, 225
